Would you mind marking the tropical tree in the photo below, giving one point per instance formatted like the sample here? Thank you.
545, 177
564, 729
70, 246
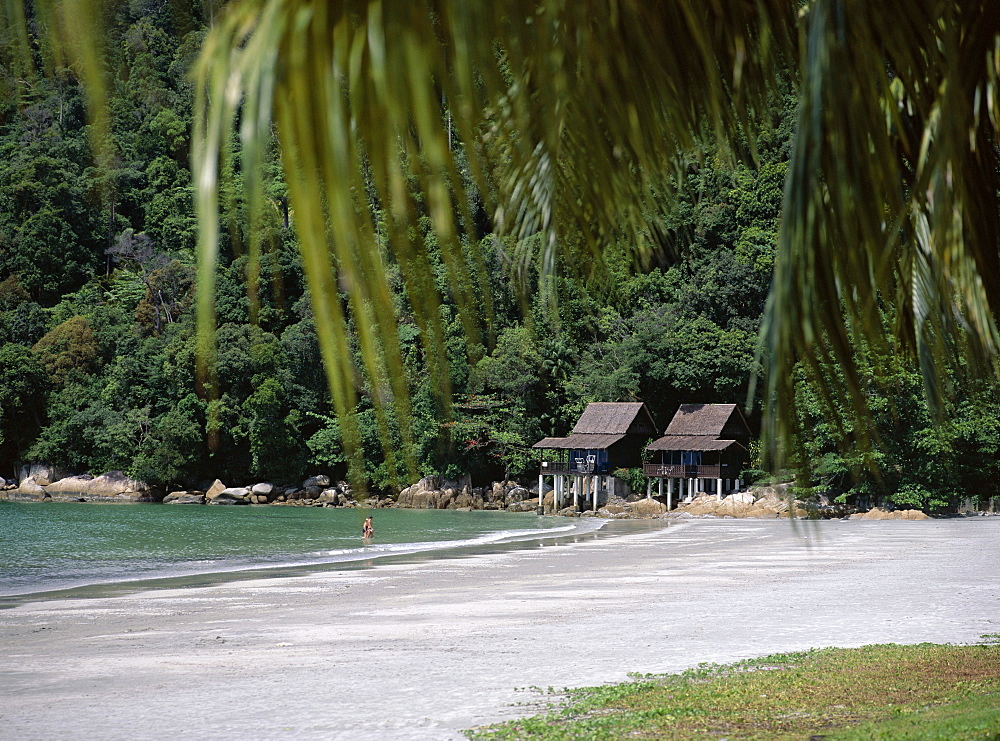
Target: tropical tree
575, 121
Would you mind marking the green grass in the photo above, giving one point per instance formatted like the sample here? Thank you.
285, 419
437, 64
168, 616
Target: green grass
876, 692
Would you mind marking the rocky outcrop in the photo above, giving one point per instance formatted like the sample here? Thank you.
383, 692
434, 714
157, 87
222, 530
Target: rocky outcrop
185, 497
71, 487
30, 489
233, 495
646, 508
773, 502
883, 514
113, 486
435, 492
764, 503
214, 489
42, 474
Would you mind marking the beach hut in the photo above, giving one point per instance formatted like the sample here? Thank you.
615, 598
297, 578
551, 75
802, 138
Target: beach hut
608, 436
704, 448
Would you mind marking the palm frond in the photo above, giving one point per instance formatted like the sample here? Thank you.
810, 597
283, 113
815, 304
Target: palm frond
571, 116
891, 196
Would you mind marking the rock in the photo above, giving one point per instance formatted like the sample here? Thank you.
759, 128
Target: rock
524, 506
42, 474
518, 494
265, 489
184, 497
328, 496
878, 513
465, 501
31, 488
646, 508
234, 495
71, 486
213, 490
318, 481
116, 485
741, 497
110, 486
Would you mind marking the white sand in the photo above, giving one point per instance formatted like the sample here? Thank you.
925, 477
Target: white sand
424, 650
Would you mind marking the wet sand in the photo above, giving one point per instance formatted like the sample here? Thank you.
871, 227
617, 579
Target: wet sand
423, 649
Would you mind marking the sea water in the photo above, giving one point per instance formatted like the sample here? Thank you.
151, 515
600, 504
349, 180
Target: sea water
66, 545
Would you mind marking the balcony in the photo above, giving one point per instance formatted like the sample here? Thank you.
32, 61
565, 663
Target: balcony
679, 471
575, 468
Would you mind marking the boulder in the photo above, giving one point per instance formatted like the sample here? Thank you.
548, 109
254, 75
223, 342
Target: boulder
213, 490
116, 485
42, 474
184, 497
421, 500
518, 494
741, 497
111, 486
524, 506
321, 482
234, 495
265, 489
30, 488
329, 496
71, 486
878, 513
465, 500
646, 508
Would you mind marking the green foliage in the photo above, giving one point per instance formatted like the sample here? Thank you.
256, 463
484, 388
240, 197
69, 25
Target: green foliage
634, 477
925, 691
23, 383
69, 348
97, 276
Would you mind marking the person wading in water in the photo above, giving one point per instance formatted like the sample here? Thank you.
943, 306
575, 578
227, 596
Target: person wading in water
367, 531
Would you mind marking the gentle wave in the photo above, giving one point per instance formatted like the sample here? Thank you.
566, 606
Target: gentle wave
344, 556
373, 550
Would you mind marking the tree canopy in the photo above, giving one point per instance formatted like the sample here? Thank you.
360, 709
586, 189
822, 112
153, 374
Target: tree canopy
366, 176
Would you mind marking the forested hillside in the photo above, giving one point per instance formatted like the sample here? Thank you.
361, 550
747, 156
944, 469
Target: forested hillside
97, 342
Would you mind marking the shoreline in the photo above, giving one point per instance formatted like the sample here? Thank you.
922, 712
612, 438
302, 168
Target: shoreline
359, 561
424, 649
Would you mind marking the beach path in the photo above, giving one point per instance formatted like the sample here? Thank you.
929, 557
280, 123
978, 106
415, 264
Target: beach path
420, 649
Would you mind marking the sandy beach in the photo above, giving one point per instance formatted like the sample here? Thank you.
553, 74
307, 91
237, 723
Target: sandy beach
422, 649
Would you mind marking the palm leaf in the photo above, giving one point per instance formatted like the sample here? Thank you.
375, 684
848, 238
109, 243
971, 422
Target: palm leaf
572, 116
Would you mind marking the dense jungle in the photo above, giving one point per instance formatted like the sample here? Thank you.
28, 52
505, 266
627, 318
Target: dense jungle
98, 344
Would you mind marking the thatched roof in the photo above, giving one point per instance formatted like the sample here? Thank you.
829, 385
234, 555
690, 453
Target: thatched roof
692, 442
578, 441
615, 418
708, 419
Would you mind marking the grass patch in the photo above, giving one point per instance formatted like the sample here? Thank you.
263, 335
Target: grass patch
877, 692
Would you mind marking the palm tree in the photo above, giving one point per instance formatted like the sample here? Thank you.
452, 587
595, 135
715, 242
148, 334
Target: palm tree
573, 116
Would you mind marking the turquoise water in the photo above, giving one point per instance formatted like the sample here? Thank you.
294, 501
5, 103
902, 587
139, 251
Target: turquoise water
58, 545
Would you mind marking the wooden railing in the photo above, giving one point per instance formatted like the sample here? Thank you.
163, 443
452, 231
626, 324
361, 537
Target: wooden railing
678, 471
573, 468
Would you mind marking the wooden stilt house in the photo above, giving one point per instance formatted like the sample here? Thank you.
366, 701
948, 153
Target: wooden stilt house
608, 436
704, 448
